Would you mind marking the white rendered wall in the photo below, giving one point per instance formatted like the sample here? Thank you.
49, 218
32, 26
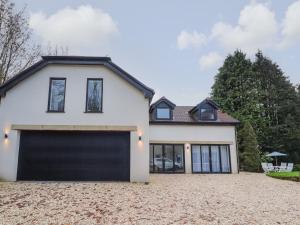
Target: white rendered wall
195, 134
123, 105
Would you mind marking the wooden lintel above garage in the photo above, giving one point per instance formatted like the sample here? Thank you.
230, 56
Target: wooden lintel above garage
73, 127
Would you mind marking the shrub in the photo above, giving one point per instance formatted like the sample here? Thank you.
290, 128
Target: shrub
248, 147
296, 167
293, 176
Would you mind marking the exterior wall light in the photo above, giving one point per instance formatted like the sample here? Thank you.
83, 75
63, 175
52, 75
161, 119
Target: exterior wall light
140, 138
5, 135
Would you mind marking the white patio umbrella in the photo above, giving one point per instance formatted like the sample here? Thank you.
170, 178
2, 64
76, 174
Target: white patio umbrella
276, 154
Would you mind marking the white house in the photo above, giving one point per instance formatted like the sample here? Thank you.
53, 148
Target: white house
85, 118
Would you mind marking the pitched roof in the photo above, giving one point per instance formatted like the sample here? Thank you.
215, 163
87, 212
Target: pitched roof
162, 99
205, 101
182, 115
75, 60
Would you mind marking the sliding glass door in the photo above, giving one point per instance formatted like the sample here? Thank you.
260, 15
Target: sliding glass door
205, 158
166, 158
215, 159
211, 159
225, 159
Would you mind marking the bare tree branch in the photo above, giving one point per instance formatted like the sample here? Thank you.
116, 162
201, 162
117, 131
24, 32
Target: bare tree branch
17, 51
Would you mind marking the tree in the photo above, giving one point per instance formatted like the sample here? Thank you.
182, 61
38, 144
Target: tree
260, 93
57, 50
277, 97
235, 89
249, 150
16, 49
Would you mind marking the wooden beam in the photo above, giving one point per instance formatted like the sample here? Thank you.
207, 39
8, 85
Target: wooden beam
73, 127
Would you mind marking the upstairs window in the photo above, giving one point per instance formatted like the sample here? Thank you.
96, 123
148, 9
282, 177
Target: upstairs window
207, 114
163, 113
56, 100
94, 95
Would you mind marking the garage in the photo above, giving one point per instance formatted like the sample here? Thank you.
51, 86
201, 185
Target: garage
74, 156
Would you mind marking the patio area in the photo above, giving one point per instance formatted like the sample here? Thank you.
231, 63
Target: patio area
245, 198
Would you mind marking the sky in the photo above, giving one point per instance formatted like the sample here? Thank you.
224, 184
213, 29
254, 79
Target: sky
173, 46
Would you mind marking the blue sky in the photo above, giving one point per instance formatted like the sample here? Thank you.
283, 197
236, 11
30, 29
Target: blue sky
174, 47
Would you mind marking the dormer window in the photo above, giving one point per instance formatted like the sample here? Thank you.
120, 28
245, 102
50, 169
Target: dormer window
207, 114
163, 113
162, 109
205, 111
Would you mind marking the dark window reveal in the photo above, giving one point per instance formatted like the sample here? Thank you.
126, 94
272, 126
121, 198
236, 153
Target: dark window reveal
94, 95
56, 101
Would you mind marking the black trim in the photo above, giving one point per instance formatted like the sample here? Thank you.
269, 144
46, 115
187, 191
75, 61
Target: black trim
163, 153
49, 94
86, 98
75, 60
170, 113
164, 100
210, 164
204, 102
201, 114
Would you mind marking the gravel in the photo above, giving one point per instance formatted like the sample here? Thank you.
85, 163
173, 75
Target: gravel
237, 199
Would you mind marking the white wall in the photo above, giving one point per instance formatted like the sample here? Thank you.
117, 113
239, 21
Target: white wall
27, 103
192, 134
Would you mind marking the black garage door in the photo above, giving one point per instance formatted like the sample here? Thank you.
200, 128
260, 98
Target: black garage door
70, 156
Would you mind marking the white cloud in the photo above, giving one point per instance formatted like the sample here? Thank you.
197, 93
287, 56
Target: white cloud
256, 29
291, 25
79, 29
194, 39
210, 60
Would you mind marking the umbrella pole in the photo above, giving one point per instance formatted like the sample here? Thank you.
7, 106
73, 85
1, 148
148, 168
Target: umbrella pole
276, 161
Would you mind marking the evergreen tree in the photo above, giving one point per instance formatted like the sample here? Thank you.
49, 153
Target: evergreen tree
235, 89
249, 151
262, 95
277, 98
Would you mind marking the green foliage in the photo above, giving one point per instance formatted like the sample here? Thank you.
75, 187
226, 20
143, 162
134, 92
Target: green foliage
248, 146
294, 176
258, 92
296, 167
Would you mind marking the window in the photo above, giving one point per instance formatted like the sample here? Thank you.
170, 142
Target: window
56, 100
211, 159
167, 158
163, 113
207, 114
94, 95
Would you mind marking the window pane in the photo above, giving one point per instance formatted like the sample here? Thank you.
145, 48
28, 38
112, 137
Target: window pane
151, 158
158, 156
215, 159
207, 114
57, 95
205, 158
163, 113
179, 160
196, 158
168, 158
94, 96
225, 158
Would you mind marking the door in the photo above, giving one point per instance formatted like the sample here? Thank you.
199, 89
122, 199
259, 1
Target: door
211, 159
167, 158
74, 156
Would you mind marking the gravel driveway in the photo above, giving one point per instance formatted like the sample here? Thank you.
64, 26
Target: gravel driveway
169, 199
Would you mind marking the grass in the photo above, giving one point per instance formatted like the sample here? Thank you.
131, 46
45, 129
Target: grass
294, 176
